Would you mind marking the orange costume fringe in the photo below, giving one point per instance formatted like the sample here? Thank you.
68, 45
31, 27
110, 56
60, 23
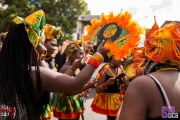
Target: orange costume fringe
107, 103
127, 40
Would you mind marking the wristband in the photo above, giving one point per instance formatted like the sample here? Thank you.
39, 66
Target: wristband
73, 69
93, 62
98, 57
96, 60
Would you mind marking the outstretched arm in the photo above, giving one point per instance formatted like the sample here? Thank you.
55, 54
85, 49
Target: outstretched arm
57, 82
87, 86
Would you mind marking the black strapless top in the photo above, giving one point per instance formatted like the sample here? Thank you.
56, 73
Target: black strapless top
115, 88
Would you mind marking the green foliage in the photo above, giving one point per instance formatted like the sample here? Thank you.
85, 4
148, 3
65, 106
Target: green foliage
63, 13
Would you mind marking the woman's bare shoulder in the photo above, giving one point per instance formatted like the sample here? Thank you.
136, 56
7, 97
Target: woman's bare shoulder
143, 83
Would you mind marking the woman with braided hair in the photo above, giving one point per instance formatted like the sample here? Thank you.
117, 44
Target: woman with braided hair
22, 80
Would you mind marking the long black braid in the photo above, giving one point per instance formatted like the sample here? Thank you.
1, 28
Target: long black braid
16, 85
62, 60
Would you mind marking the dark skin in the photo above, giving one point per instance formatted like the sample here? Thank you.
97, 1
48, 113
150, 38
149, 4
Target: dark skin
42, 51
88, 48
101, 80
65, 69
115, 69
57, 82
50, 46
143, 99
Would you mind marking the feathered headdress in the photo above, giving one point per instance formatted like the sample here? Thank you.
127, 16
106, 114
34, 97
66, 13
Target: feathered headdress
137, 61
120, 31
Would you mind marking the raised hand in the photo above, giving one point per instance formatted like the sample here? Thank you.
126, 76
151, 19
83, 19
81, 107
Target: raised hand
110, 81
101, 49
77, 63
92, 83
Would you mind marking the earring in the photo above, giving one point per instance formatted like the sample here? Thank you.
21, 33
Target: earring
37, 53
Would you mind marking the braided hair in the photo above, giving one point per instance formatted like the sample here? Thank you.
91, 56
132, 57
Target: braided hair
16, 85
62, 60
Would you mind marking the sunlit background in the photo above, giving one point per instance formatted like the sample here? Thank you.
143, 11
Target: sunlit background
143, 10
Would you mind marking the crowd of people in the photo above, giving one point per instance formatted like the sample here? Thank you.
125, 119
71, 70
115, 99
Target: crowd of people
138, 83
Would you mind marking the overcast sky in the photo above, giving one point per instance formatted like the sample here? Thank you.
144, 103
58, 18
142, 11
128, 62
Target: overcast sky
143, 10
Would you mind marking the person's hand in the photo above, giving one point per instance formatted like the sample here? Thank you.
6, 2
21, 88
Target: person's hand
92, 83
85, 95
123, 62
110, 81
77, 63
101, 49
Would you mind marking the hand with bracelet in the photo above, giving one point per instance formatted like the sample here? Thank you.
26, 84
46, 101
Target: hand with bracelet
109, 82
75, 65
89, 85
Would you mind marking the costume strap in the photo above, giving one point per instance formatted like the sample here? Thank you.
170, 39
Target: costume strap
161, 89
111, 72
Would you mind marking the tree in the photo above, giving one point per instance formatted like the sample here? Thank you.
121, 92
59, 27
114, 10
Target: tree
63, 13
